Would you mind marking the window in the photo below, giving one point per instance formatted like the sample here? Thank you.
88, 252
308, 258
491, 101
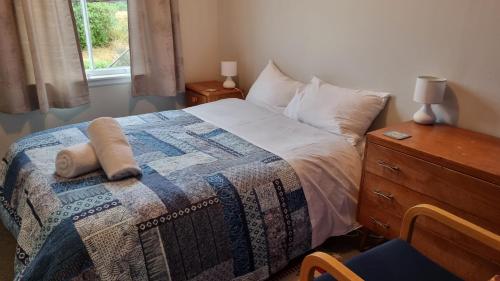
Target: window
102, 27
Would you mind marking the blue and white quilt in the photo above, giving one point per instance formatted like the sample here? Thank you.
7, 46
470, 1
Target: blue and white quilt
209, 206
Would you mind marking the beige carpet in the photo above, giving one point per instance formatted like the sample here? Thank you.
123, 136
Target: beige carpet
7, 251
342, 248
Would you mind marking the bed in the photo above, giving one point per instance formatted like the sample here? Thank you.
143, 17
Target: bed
230, 190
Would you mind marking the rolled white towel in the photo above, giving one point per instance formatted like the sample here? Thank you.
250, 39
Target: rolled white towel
76, 160
112, 149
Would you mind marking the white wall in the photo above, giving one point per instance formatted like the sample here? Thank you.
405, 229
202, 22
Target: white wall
377, 44
200, 39
199, 28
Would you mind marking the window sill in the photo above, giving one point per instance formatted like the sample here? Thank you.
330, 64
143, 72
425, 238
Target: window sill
105, 80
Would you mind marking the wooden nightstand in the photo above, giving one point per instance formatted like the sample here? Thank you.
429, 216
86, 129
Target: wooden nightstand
203, 92
455, 169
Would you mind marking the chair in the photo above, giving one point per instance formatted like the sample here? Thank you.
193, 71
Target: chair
396, 259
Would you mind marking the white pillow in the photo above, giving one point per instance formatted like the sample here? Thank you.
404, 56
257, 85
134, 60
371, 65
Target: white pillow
339, 110
292, 109
273, 89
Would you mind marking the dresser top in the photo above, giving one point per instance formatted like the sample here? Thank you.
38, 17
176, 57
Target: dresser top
462, 150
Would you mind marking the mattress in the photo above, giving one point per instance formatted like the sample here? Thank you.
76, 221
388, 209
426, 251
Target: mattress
328, 166
229, 191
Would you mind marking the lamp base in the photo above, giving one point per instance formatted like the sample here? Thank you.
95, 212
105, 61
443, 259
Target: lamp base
425, 115
229, 83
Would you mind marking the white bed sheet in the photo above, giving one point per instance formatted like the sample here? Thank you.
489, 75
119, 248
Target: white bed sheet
329, 168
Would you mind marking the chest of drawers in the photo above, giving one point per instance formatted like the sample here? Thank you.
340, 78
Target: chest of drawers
205, 92
455, 169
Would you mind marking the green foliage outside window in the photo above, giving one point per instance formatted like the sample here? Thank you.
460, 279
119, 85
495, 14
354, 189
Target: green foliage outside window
104, 27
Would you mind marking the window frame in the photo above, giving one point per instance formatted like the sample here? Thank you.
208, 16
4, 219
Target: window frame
100, 76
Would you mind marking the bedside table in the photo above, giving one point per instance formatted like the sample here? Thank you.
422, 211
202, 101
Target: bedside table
455, 169
199, 92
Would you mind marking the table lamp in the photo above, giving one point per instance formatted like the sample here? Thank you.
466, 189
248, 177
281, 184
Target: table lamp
428, 90
229, 69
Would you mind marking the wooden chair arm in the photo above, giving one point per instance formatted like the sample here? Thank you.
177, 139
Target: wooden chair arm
465, 227
327, 263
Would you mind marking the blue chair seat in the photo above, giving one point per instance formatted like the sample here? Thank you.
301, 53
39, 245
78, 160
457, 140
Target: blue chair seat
395, 260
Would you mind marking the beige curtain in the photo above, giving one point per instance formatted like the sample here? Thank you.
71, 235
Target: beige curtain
40, 62
155, 48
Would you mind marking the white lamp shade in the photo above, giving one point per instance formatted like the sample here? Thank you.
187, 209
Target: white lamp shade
429, 90
229, 68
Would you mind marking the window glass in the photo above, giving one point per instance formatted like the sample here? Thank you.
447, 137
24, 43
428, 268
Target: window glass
102, 28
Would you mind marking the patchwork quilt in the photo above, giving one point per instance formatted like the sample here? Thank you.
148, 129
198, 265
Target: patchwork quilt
209, 206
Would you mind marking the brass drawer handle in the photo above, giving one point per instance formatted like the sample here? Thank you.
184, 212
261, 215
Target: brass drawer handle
388, 166
387, 196
380, 224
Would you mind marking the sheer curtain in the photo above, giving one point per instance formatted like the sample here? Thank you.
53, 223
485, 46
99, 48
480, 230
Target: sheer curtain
40, 62
155, 48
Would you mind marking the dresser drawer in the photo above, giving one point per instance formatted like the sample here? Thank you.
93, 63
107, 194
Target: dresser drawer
379, 221
193, 99
383, 194
225, 96
388, 196
464, 192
